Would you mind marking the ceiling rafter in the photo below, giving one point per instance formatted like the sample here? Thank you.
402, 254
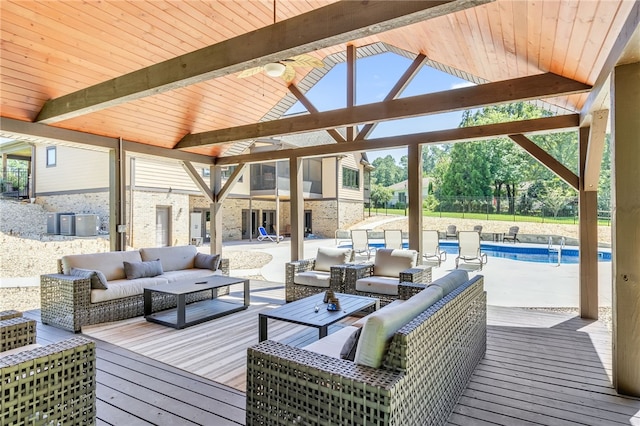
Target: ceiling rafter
312, 109
519, 89
327, 26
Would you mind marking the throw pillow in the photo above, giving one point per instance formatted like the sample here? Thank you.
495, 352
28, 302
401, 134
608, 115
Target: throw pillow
207, 261
147, 269
349, 349
98, 280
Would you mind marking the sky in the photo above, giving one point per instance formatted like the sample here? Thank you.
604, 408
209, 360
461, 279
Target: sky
375, 76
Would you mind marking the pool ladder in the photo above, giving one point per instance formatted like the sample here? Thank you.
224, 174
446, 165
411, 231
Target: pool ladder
558, 249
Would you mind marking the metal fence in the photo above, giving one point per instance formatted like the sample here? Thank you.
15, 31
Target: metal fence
14, 183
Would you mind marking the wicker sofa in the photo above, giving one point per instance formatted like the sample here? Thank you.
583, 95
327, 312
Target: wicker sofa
71, 301
424, 367
52, 384
307, 277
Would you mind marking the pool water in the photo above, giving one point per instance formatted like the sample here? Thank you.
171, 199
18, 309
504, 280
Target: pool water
540, 254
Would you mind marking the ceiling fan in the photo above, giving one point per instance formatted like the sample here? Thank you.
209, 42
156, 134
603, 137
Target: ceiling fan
284, 68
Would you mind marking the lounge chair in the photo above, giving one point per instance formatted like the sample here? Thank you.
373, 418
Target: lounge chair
512, 235
393, 239
451, 232
431, 247
478, 229
265, 236
360, 242
469, 249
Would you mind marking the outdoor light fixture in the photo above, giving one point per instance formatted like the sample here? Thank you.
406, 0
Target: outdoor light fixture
274, 69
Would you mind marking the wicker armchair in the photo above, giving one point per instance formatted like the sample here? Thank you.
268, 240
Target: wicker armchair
53, 384
424, 372
352, 273
295, 290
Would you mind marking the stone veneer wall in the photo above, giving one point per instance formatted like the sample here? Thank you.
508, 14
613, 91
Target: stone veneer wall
142, 232
323, 217
351, 212
89, 203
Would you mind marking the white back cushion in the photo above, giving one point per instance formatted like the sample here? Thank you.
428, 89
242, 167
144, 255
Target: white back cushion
172, 258
390, 262
328, 256
381, 325
109, 263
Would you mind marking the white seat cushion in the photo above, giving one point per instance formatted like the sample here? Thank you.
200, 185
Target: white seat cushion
381, 325
333, 343
125, 288
380, 285
362, 320
328, 257
186, 274
313, 278
390, 262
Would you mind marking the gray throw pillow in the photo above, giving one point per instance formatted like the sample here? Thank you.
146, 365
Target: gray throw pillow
98, 280
147, 269
207, 261
350, 345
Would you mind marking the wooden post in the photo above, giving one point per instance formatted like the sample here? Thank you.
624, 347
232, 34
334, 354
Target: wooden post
588, 244
625, 95
297, 208
216, 211
414, 197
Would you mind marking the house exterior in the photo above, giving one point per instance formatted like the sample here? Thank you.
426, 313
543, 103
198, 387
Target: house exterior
165, 207
400, 195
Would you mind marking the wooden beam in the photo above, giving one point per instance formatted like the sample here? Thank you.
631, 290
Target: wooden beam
197, 179
624, 50
396, 90
519, 89
231, 182
351, 85
27, 131
591, 173
547, 160
327, 26
312, 109
451, 135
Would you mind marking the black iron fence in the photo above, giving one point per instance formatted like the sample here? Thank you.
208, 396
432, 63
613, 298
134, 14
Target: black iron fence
14, 183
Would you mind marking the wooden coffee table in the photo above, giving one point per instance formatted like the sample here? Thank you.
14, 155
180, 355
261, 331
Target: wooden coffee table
184, 315
303, 312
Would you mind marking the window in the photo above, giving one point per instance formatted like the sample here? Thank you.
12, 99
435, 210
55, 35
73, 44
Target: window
350, 178
51, 156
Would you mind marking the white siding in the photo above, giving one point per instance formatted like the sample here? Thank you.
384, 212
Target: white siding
75, 169
351, 161
329, 177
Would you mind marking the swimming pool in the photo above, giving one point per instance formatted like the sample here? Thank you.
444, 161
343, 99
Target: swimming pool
515, 252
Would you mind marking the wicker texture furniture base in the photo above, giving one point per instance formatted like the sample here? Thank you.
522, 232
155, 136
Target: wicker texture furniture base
16, 332
426, 369
295, 291
53, 384
65, 301
352, 273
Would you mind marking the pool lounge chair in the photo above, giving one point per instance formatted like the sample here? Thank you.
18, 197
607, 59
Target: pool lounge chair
469, 249
431, 247
265, 236
360, 242
393, 239
512, 235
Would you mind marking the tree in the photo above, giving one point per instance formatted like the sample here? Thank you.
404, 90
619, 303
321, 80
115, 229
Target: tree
556, 200
380, 195
386, 171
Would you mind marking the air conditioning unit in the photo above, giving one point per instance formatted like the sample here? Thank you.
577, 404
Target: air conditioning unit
87, 225
67, 224
53, 222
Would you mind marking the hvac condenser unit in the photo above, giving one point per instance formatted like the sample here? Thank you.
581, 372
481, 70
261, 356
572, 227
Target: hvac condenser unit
53, 222
87, 225
67, 224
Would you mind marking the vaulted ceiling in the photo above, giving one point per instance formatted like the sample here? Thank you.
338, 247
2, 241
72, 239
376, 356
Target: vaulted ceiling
154, 72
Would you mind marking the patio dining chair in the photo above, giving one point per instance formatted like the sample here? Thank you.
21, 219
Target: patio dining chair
393, 239
360, 242
469, 249
266, 236
478, 229
512, 235
431, 247
451, 232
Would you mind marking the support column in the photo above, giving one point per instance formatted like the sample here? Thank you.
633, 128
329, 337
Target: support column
625, 173
215, 214
414, 197
297, 209
117, 202
588, 241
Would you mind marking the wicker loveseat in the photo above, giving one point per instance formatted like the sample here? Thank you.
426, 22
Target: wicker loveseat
72, 301
424, 368
52, 384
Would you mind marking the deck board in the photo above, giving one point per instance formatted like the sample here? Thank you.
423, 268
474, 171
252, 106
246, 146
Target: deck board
541, 368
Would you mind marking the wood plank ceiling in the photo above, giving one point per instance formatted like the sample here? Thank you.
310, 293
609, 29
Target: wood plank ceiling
53, 48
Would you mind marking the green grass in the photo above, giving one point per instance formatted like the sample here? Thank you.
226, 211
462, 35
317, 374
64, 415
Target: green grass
484, 216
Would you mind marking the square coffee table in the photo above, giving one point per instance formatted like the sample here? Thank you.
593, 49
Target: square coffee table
184, 315
303, 312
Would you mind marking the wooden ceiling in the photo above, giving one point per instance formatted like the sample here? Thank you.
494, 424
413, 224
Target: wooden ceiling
56, 48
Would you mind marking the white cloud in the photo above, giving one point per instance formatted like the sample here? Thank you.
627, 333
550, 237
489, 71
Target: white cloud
462, 84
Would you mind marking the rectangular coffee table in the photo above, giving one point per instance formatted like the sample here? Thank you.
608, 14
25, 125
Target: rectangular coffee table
303, 312
184, 315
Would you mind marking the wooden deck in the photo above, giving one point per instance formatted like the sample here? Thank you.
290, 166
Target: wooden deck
541, 368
